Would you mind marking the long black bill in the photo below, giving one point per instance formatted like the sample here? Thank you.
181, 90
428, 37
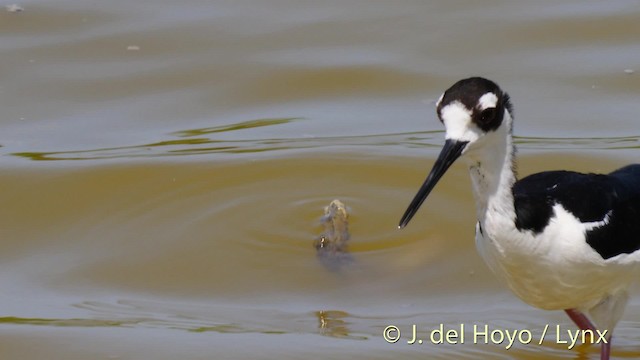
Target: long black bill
451, 150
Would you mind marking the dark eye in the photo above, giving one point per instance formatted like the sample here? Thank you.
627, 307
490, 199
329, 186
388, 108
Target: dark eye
487, 115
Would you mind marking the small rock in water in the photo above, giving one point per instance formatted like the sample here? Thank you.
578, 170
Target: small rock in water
133, 47
629, 71
331, 245
14, 8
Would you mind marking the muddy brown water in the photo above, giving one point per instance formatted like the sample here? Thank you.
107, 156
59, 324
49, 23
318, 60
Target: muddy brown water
165, 166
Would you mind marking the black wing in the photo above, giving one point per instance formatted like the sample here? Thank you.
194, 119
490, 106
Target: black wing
589, 197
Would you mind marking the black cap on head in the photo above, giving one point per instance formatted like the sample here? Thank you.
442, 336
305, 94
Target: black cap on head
468, 92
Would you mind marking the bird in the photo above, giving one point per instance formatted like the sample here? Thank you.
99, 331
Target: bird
560, 240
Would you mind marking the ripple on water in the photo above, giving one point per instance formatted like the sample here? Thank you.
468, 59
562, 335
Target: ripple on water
217, 140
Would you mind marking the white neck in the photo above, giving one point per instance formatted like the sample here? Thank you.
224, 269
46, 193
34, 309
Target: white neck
492, 176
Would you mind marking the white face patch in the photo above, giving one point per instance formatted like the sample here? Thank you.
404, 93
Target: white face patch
457, 122
439, 100
488, 100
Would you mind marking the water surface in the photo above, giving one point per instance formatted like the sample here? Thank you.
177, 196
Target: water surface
165, 166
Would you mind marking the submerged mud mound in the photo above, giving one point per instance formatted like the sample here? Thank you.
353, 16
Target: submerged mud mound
331, 246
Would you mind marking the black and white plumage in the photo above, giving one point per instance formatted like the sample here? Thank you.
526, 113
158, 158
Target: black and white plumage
561, 240
589, 197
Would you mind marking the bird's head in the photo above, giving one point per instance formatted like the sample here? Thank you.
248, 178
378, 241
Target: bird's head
474, 111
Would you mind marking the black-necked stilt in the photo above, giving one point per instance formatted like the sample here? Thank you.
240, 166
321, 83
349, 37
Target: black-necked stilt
562, 240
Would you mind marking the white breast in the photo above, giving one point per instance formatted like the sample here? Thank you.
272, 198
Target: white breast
555, 269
